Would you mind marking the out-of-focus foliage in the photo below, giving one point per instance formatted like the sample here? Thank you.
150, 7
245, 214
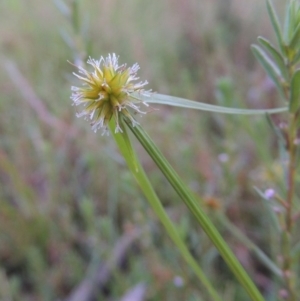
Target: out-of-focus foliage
67, 201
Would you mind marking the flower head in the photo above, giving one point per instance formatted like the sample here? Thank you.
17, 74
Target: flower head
108, 91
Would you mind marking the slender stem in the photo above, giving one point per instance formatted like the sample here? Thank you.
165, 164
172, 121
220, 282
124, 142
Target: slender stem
289, 221
250, 245
138, 172
291, 174
193, 206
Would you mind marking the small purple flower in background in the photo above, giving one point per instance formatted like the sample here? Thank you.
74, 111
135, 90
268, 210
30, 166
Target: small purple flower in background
269, 193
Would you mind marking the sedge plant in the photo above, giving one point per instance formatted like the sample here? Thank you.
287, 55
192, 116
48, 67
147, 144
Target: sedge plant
111, 93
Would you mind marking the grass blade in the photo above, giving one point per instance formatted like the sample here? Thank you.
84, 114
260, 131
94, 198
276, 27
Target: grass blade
278, 58
234, 230
199, 214
140, 176
295, 40
162, 99
269, 66
275, 24
295, 92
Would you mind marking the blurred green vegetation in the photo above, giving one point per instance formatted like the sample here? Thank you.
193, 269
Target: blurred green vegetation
69, 209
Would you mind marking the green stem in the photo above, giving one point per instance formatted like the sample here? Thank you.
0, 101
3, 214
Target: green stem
289, 223
193, 206
138, 172
250, 245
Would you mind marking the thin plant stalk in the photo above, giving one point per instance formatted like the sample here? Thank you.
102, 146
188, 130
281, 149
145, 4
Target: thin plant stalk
282, 66
140, 176
287, 233
188, 198
235, 231
291, 170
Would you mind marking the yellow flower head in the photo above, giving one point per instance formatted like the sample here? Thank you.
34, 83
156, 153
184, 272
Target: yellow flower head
107, 92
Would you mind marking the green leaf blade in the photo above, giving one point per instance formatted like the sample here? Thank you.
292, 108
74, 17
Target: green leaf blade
140, 176
295, 40
295, 92
269, 66
188, 198
169, 100
278, 58
275, 24
296, 58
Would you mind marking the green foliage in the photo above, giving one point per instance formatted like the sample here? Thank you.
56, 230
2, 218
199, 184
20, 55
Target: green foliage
190, 104
275, 23
270, 67
67, 201
276, 55
295, 92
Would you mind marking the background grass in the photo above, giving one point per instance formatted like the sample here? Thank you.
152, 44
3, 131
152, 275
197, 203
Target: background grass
67, 200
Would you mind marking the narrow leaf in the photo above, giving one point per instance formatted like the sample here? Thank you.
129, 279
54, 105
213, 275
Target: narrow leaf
275, 24
272, 266
295, 92
67, 38
145, 185
187, 197
269, 66
278, 58
62, 7
275, 129
190, 104
235, 231
295, 40
126, 139
296, 58
289, 21
76, 16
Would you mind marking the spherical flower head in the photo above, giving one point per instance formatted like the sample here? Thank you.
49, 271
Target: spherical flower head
108, 91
